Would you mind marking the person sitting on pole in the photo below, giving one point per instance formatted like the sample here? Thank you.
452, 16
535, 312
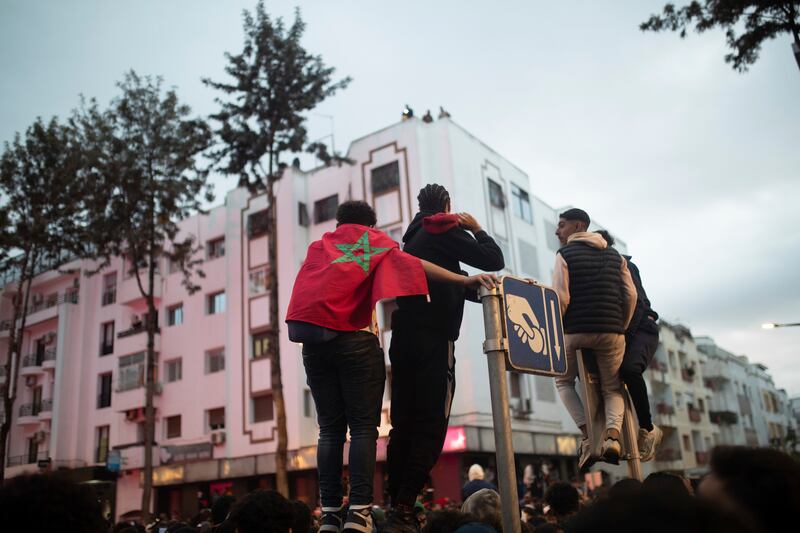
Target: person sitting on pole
598, 299
330, 311
641, 342
422, 348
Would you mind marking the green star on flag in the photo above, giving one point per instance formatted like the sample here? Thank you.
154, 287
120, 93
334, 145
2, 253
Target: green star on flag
363, 258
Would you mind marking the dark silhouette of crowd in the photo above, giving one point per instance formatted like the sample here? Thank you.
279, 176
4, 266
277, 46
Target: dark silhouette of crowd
746, 491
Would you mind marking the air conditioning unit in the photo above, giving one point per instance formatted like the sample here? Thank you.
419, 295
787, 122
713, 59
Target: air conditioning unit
30, 381
39, 436
218, 438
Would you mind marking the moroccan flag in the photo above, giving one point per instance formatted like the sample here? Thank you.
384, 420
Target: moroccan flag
347, 272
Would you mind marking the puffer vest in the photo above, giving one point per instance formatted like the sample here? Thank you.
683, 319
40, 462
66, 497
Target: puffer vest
597, 295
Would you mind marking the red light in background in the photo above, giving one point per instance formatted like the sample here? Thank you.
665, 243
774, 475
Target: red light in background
455, 440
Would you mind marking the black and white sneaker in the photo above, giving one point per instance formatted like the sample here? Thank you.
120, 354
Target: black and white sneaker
359, 518
331, 520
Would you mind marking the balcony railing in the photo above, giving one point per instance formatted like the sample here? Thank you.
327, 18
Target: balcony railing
729, 418
687, 374
30, 409
665, 409
47, 405
49, 355
27, 459
702, 458
139, 327
668, 454
36, 359
47, 303
694, 414
658, 366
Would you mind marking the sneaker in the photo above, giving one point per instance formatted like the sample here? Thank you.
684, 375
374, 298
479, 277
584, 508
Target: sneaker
331, 520
648, 442
586, 459
359, 519
402, 519
611, 451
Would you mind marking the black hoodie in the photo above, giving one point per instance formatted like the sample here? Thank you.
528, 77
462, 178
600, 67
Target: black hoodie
643, 309
447, 249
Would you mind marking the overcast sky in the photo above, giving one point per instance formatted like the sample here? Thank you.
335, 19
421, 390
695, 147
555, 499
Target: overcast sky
695, 166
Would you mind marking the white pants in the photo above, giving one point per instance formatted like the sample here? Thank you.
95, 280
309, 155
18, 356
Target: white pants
609, 349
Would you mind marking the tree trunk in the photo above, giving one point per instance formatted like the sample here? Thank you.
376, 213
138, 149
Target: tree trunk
281, 455
149, 393
13, 353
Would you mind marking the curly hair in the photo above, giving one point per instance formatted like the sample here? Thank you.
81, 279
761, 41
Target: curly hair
51, 503
356, 212
263, 511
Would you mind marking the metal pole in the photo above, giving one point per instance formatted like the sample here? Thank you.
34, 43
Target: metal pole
630, 438
495, 347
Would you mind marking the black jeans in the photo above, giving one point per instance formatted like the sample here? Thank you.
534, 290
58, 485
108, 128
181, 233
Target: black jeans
423, 384
346, 376
639, 350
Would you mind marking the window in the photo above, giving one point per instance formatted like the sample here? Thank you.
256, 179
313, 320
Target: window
687, 443
140, 432
215, 248
258, 281
173, 427
325, 209
260, 345
262, 408
173, 266
528, 259
109, 289
515, 385
302, 215
173, 370
521, 204
385, 178
215, 360
175, 315
257, 224
33, 451
104, 390
216, 418
107, 338
216, 303
496, 197
131, 372
101, 444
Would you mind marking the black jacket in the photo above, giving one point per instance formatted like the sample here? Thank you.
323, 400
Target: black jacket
449, 249
643, 309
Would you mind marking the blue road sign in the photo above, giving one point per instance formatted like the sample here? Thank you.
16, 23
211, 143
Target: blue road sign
533, 328
114, 460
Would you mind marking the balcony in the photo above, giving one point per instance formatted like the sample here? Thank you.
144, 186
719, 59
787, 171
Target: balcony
724, 418
49, 359
694, 414
46, 409
31, 364
27, 459
46, 309
702, 458
29, 413
687, 374
134, 340
668, 454
128, 292
665, 409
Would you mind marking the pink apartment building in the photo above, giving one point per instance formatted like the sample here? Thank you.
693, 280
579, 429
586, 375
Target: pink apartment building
80, 401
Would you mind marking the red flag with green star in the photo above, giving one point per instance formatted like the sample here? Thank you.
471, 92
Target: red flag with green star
347, 272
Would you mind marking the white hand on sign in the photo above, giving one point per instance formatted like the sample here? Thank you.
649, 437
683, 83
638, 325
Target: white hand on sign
526, 326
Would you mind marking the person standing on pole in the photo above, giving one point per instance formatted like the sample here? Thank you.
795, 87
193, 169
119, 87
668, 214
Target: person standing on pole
641, 341
598, 299
345, 273
421, 352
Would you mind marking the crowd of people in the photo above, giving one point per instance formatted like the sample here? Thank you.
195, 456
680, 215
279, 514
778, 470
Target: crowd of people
747, 491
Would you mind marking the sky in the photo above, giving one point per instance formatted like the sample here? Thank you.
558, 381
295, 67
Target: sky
695, 166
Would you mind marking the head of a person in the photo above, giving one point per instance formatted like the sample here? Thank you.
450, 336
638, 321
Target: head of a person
762, 482
356, 212
563, 499
484, 505
433, 198
446, 521
51, 503
625, 487
221, 508
571, 221
475, 472
302, 516
666, 483
606, 237
263, 511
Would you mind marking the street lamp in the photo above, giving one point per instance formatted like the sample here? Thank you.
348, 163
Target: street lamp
773, 325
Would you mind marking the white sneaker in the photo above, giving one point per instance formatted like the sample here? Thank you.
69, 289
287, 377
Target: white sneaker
611, 451
648, 442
